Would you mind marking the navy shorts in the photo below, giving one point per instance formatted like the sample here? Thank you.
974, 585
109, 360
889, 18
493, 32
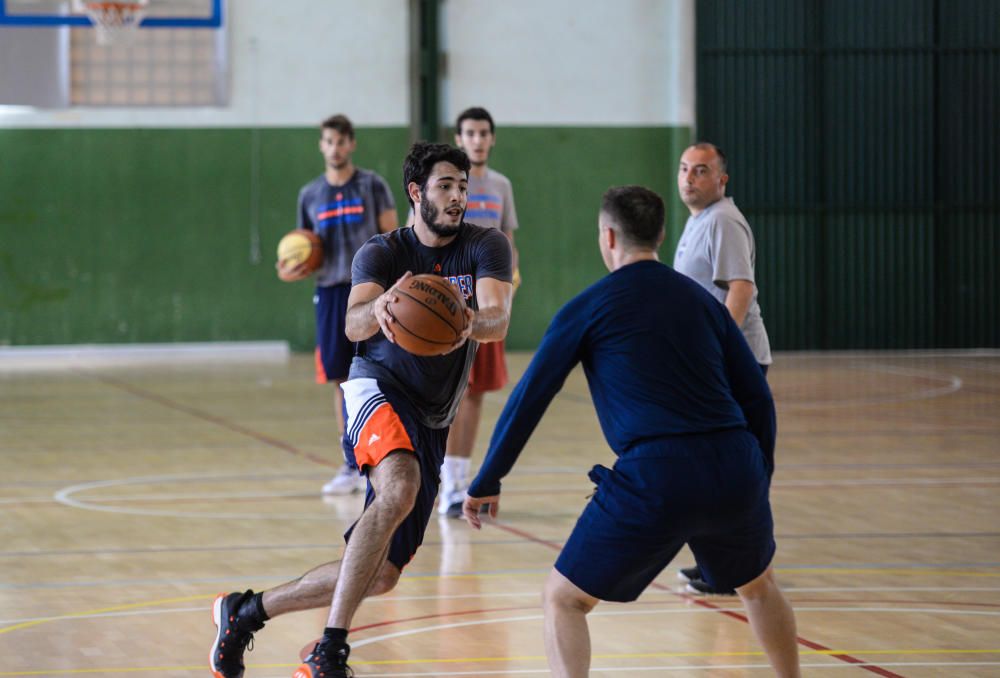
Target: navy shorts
708, 491
335, 350
380, 422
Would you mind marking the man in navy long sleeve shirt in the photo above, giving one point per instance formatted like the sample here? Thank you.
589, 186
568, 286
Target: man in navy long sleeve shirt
686, 409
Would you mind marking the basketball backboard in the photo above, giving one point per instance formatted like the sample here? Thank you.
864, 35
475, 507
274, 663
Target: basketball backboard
159, 14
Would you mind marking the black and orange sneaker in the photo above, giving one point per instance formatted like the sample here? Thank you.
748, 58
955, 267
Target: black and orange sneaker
327, 660
234, 636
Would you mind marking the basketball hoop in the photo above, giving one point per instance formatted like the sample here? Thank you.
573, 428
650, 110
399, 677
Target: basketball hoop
115, 22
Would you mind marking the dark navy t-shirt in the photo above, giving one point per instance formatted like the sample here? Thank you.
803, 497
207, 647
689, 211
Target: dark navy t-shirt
434, 385
662, 358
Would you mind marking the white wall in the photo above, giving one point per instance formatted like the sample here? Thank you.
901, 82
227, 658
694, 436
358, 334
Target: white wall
544, 62
530, 62
293, 62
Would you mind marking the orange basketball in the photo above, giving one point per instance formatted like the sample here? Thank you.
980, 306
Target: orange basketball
429, 314
300, 247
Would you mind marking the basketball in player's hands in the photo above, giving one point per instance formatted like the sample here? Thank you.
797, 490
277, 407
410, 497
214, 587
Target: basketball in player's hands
429, 314
300, 253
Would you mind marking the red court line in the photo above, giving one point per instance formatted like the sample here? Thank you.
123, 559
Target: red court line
213, 419
439, 615
729, 613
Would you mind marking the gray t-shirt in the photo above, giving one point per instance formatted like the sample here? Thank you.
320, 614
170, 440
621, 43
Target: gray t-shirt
717, 246
491, 202
345, 217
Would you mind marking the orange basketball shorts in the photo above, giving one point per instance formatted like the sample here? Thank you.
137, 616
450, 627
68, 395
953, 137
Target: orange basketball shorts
380, 422
489, 368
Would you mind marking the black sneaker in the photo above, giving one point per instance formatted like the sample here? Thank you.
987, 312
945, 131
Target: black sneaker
689, 573
327, 660
702, 587
234, 636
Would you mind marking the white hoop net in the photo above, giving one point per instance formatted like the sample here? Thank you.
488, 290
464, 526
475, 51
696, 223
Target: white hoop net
115, 22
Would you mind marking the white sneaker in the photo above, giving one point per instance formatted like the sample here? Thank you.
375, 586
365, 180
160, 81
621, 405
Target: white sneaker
347, 481
450, 501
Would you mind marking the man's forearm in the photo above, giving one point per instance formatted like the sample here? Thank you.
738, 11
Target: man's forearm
490, 324
738, 299
360, 322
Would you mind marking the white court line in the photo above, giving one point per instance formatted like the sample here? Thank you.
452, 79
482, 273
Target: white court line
60, 357
886, 589
984, 368
535, 593
834, 482
661, 592
699, 610
916, 353
172, 497
953, 383
65, 496
619, 611
103, 615
689, 667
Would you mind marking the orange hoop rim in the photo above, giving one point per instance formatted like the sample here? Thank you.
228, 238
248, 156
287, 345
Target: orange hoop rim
119, 6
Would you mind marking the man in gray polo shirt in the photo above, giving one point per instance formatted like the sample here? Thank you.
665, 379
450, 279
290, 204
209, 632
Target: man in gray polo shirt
717, 251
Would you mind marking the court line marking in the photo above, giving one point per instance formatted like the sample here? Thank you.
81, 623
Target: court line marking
733, 615
169, 403
704, 608
102, 501
212, 418
540, 572
953, 383
65, 496
905, 354
507, 672
114, 608
673, 598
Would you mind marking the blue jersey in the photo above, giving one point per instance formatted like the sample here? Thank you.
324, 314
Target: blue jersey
662, 358
434, 385
344, 217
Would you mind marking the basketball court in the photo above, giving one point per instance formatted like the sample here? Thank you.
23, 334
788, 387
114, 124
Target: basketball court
139, 481
132, 496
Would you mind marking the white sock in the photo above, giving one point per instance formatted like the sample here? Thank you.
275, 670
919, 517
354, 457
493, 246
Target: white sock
454, 471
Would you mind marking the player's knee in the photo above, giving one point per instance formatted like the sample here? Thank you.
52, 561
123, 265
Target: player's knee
397, 492
759, 588
559, 593
388, 577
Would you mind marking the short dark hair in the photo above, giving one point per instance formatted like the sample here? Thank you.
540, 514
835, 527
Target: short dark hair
709, 146
421, 159
474, 113
339, 123
637, 214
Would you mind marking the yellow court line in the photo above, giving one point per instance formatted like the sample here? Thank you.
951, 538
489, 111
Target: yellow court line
661, 655
116, 608
485, 660
893, 571
134, 669
433, 577
498, 575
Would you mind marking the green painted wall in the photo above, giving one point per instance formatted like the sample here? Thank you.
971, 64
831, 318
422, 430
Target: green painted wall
146, 235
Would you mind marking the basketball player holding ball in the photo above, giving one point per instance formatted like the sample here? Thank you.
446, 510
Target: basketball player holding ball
399, 406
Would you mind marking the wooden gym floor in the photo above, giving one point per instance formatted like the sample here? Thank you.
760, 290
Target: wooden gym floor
130, 497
